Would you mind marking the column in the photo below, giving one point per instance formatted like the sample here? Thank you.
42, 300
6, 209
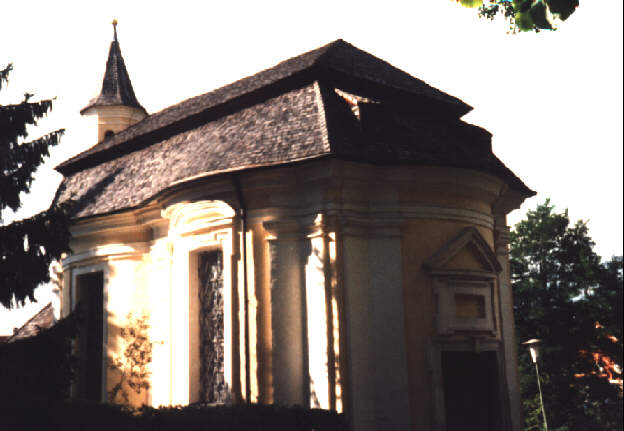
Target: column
289, 249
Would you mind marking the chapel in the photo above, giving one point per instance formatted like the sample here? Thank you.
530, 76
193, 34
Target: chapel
327, 232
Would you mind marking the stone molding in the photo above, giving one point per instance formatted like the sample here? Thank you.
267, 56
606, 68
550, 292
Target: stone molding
104, 253
469, 235
449, 283
446, 291
197, 217
111, 226
363, 215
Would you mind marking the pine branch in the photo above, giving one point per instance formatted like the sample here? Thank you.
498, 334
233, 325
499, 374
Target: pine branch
27, 249
4, 74
16, 171
14, 119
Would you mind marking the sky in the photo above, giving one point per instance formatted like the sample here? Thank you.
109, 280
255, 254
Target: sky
553, 100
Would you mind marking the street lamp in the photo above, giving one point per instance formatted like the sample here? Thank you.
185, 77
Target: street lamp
532, 344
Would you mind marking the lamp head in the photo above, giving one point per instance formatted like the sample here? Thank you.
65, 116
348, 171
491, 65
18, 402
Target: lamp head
532, 344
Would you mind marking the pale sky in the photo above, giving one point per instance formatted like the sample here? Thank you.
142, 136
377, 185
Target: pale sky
552, 100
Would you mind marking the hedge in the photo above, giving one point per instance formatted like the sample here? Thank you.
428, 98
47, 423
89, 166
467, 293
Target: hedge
35, 375
39, 367
83, 416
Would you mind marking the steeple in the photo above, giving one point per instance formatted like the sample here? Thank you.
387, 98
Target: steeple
116, 106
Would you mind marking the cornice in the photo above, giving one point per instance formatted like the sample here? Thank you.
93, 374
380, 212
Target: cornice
105, 253
109, 226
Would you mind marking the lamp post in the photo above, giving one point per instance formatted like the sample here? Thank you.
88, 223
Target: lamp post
532, 344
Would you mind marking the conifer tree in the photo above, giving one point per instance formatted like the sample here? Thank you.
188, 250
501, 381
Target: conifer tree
27, 247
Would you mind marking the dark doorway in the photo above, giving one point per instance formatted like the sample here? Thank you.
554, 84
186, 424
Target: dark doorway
211, 349
471, 391
90, 298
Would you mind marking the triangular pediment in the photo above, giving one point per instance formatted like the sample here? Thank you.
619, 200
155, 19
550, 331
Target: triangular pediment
468, 251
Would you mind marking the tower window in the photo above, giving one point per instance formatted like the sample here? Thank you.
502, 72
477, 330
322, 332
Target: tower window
108, 134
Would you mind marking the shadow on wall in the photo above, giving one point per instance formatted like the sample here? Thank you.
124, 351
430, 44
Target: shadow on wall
128, 359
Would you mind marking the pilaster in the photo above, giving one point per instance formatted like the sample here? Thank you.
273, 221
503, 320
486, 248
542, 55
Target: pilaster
289, 249
501, 244
375, 324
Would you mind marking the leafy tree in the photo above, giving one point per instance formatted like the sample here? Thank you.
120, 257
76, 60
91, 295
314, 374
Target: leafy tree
526, 15
565, 296
27, 247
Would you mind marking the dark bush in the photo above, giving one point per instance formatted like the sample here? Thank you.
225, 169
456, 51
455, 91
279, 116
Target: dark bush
36, 373
255, 417
83, 416
39, 367
67, 416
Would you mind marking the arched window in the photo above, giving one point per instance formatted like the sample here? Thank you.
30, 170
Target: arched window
202, 234
108, 134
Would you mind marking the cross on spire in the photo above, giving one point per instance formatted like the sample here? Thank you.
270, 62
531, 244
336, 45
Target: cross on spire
114, 29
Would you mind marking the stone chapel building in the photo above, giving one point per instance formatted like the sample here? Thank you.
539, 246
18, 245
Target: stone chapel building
327, 232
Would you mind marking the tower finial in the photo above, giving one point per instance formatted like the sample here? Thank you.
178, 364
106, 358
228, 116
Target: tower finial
114, 29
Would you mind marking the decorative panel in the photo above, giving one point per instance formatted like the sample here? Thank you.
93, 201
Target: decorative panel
211, 350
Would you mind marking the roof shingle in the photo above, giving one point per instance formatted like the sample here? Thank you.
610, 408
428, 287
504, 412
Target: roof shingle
336, 61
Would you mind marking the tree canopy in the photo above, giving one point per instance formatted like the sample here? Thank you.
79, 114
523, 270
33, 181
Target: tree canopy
526, 15
567, 298
27, 247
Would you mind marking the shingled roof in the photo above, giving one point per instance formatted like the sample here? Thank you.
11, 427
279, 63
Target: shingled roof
339, 62
116, 86
298, 110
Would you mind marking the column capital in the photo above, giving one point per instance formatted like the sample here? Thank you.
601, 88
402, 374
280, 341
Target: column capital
295, 228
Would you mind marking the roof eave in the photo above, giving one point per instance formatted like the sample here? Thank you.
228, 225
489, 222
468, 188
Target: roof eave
95, 104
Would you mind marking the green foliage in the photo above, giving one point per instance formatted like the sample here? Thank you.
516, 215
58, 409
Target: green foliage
39, 368
561, 289
27, 247
470, 3
526, 15
79, 416
132, 364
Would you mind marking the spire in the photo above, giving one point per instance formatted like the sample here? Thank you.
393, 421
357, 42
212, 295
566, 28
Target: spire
116, 86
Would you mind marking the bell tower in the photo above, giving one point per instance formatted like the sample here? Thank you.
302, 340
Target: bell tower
116, 107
